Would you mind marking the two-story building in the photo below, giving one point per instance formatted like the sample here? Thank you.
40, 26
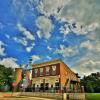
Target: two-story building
54, 74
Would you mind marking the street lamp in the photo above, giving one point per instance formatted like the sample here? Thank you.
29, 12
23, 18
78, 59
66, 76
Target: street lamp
24, 81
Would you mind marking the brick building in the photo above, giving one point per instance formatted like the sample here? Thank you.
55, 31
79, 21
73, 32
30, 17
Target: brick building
54, 75
22, 79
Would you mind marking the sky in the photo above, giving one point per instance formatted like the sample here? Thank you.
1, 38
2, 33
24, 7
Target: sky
49, 29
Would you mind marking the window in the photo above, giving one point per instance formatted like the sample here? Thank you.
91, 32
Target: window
35, 72
47, 70
46, 86
41, 71
57, 86
53, 70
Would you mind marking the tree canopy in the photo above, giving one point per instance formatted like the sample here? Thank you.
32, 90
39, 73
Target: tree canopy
91, 82
7, 76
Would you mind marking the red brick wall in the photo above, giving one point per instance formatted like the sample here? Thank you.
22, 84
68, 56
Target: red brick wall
66, 73
44, 70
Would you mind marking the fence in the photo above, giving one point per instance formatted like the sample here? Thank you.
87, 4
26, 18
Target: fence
53, 90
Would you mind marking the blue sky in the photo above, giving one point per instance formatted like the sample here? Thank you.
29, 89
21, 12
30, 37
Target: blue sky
46, 30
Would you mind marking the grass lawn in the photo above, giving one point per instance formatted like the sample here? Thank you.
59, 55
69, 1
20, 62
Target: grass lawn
92, 96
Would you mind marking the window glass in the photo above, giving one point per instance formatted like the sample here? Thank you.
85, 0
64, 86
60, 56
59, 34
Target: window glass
35, 72
53, 70
47, 70
41, 71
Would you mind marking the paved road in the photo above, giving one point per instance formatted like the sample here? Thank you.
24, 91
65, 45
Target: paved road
26, 98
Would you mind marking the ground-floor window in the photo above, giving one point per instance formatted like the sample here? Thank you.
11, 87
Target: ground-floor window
57, 85
46, 86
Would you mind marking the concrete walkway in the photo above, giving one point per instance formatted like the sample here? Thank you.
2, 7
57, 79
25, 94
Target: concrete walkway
26, 98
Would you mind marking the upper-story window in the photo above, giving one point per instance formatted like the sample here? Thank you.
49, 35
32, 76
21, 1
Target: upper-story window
35, 72
41, 71
53, 70
47, 70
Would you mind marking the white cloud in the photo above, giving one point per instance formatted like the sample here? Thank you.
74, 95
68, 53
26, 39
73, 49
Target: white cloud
50, 7
48, 57
9, 62
90, 61
84, 13
22, 8
85, 66
25, 32
65, 29
49, 48
93, 26
45, 25
35, 58
7, 36
29, 48
22, 41
78, 29
39, 34
2, 49
67, 51
87, 45
93, 46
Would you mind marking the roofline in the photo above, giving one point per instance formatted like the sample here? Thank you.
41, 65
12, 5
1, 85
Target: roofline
48, 62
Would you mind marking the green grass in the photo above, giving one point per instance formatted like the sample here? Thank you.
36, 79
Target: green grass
92, 96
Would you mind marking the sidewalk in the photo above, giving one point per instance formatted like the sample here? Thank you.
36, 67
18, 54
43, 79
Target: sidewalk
25, 98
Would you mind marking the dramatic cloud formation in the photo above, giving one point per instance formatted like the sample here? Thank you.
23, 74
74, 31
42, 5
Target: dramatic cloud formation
45, 25
85, 65
67, 51
22, 41
49, 29
9, 62
25, 32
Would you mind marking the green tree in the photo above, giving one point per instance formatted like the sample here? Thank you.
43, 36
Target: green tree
91, 82
7, 76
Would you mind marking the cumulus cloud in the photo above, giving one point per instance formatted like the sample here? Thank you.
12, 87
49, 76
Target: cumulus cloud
95, 47
35, 58
85, 66
29, 49
22, 7
67, 51
9, 62
90, 61
85, 13
39, 34
22, 41
87, 45
49, 48
45, 25
48, 57
78, 29
2, 49
65, 29
25, 32
51, 7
